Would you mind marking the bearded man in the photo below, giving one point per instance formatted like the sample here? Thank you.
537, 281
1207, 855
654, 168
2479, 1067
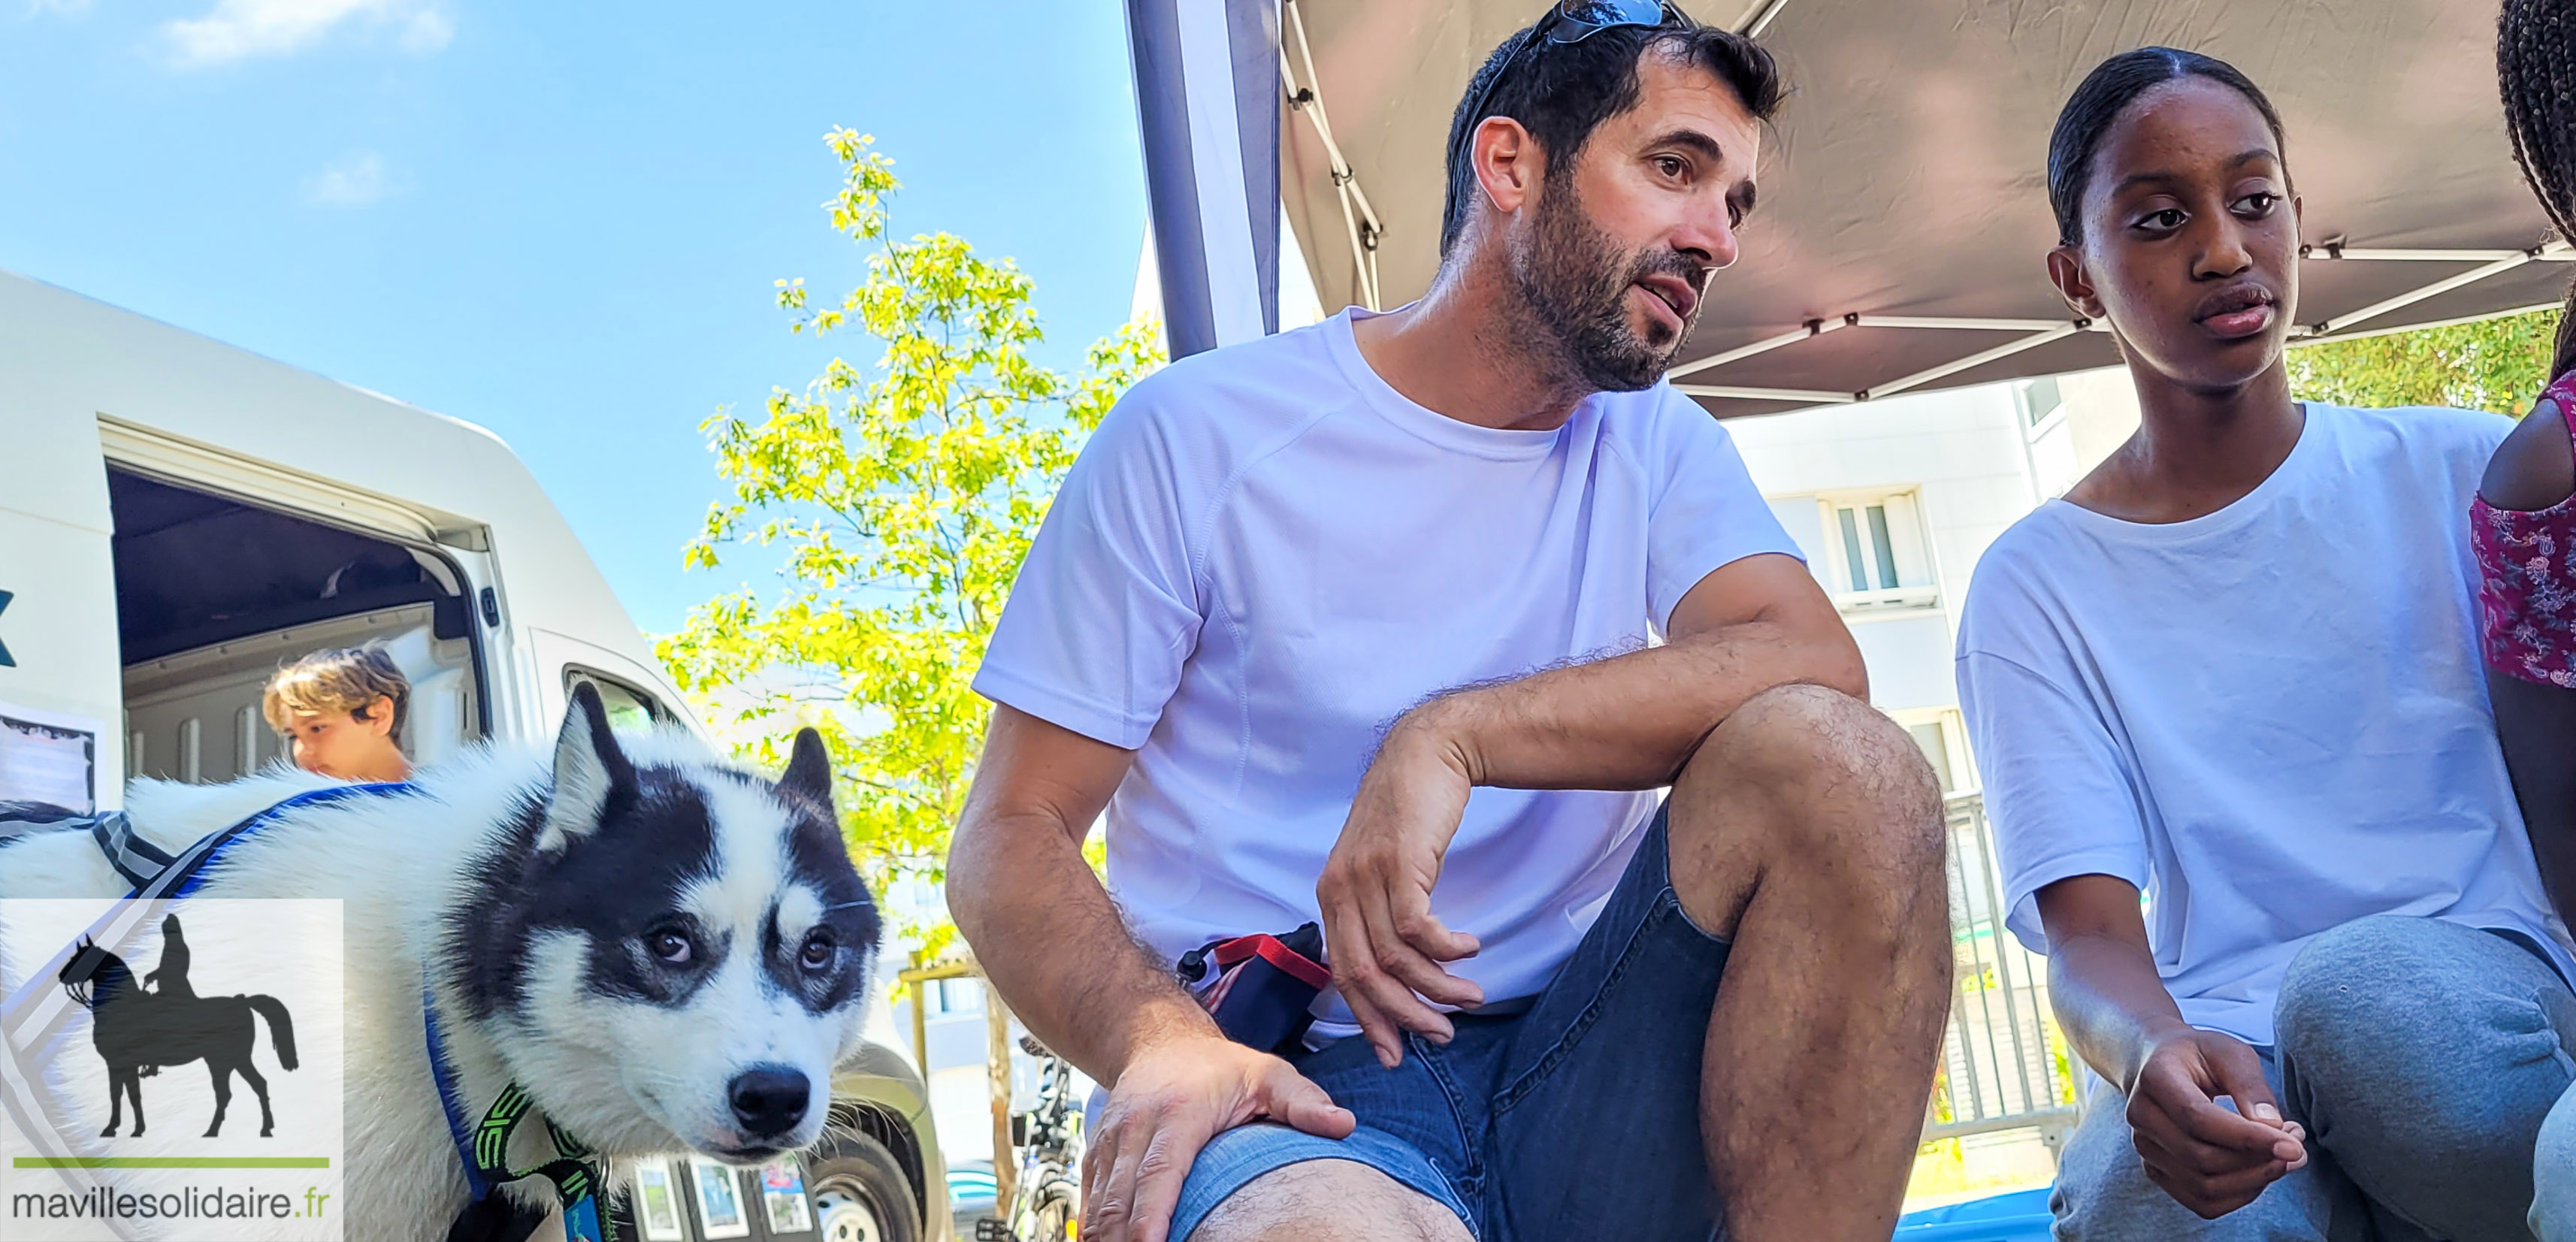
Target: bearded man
1399, 623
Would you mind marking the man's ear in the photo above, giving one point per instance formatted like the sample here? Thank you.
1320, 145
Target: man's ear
2066, 271
809, 772
588, 768
1507, 162
380, 716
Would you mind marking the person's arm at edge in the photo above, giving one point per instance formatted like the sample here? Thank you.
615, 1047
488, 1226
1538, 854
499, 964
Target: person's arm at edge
2534, 469
2112, 1003
1627, 722
1051, 942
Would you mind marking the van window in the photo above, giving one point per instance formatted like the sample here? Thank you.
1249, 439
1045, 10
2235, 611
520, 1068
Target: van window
213, 595
628, 707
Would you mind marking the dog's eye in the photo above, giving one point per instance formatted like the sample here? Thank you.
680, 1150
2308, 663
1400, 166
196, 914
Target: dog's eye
670, 946
818, 953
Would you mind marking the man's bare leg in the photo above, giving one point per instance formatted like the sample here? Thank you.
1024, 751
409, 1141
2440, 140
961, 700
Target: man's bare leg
1328, 1201
1808, 830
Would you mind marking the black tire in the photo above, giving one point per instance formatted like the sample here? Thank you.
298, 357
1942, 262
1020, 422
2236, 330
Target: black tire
856, 1169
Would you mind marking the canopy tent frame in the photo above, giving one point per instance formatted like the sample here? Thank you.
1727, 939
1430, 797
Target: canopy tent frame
1306, 96
1364, 234
1905, 197
2040, 332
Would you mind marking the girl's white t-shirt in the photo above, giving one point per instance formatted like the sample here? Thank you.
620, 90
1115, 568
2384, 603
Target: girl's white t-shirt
1266, 554
2272, 719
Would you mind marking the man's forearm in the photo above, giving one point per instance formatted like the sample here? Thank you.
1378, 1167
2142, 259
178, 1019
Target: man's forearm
1628, 722
1050, 941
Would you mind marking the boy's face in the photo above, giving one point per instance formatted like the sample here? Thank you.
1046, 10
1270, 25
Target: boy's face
347, 746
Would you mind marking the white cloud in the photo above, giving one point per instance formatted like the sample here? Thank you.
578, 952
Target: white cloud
242, 29
356, 179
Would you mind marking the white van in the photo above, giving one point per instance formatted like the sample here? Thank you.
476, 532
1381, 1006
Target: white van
179, 517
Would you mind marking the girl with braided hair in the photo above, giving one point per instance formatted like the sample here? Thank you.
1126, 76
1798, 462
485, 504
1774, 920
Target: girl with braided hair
2523, 525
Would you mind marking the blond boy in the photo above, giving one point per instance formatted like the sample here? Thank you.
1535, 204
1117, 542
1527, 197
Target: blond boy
341, 713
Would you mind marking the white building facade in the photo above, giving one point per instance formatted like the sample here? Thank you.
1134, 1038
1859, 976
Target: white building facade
1893, 501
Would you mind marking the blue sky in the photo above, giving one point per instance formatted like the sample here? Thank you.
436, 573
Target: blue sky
558, 220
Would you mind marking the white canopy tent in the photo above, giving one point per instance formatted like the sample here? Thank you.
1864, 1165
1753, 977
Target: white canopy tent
1904, 217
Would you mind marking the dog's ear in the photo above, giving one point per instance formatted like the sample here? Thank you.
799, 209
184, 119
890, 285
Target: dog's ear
809, 771
588, 768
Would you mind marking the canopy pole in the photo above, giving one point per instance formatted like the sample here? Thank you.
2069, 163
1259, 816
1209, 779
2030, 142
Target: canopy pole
2006, 350
2555, 250
1800, 395
1207, 117
1758, 18
1815, 327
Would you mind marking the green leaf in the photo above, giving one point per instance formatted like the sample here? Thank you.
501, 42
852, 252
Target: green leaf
2494, 364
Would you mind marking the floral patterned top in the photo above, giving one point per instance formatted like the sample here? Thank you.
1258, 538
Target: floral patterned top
2527, 567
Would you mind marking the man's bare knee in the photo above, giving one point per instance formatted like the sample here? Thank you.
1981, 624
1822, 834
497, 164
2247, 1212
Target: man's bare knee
1812, 749
1329, 1201
1803, 774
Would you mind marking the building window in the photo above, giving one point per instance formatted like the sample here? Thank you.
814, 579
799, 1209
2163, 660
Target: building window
2040, 402
954, 996
1941, 736
1928, 739
1879, 553
1879, 556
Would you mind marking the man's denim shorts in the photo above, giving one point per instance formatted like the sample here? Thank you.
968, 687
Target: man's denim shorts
1577, 1118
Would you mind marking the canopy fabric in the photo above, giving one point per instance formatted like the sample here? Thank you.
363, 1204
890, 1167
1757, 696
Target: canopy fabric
1906, 181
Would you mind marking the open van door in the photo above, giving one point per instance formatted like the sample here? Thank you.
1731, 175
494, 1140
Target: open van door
225, 569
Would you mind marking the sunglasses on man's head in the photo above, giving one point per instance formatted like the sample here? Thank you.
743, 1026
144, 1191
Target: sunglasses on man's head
1571, 21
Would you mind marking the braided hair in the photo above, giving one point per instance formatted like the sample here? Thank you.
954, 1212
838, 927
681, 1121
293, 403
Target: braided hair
2536, 69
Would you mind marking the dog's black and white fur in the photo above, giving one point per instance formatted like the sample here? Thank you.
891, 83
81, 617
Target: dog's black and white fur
668, 952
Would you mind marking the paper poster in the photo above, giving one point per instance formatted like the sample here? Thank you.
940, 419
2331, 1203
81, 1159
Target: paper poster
657, 1203
48, 758
719, 1201
782, 1198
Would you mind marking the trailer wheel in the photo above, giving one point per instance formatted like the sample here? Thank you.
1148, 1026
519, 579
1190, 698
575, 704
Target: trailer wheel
860, 1194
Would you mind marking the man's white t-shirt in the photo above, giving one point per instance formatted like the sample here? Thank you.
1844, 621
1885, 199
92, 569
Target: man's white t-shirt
1266, 554
2272, 719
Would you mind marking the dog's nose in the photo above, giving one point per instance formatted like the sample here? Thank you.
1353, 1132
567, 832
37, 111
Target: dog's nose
769, 1099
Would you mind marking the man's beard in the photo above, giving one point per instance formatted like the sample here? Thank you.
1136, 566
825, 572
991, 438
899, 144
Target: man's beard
1575, 282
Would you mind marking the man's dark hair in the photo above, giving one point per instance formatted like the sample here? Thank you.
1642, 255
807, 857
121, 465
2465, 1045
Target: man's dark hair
2536, 69
2112, 86
1561, 92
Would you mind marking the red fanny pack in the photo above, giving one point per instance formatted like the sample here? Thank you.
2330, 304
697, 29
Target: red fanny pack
1259, 988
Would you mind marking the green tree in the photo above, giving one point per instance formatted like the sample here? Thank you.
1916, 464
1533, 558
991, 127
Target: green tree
2493, 364
900, 499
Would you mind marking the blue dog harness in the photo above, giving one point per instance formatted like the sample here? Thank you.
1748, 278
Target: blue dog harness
485, 1151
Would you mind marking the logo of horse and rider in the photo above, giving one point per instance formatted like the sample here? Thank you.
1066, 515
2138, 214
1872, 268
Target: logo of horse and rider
140, 1026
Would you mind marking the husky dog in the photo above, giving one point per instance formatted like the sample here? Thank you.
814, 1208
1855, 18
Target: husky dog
667, 952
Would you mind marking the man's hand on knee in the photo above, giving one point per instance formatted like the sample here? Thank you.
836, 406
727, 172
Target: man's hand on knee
1168, 1102
2209, 1159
